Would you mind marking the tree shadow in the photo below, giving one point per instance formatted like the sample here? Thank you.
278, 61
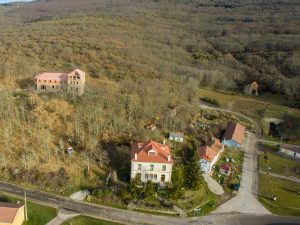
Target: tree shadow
119, 157
27, 83
4, 198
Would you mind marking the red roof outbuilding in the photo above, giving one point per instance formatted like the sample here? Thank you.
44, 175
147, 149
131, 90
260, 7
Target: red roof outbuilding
235, 131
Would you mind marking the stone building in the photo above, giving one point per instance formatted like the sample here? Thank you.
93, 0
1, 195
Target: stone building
73, 82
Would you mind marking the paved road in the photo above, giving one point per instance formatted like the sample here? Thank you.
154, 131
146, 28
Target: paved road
245, 201
129, 217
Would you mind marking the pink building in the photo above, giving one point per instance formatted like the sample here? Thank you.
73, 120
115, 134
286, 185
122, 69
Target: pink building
73, 82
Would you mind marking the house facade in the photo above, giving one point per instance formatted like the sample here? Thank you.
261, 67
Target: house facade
11, 213
151, 161
290, 150
209, 155
178, 137
234, 135
73, 82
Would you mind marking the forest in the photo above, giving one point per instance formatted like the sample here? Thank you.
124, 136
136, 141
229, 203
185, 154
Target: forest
143, 59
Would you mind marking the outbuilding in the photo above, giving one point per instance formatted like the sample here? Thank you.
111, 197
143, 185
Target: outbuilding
291, 150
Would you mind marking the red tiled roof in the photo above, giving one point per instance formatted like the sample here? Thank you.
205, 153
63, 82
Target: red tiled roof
52, 76
225, 166
8, 212
142, 149
210, 152
235, 131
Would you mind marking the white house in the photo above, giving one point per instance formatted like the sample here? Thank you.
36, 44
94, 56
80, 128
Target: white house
209, 155
178, 137
291, 150
151, 161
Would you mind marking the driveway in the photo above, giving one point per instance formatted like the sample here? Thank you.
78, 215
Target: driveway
245, 201
213, 185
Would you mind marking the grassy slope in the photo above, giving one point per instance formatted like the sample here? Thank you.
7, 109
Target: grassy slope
287, 203
279, 165
37, 214
84, 220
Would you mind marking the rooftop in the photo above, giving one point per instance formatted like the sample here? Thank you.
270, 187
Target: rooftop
161, 153
52, 76
176, 135
293, 148
8, 212
210, 152
235, 131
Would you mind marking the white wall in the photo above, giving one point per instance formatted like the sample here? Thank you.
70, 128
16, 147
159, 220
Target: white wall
158, 171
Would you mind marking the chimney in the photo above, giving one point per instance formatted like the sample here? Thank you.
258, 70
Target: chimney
169, 158
135, 156
164, 142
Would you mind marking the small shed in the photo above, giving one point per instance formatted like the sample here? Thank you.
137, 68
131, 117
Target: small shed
150, 126
69, 150
291, 150
225, 169
178, 137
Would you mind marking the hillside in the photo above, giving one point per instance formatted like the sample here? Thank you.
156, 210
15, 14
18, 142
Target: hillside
142, 58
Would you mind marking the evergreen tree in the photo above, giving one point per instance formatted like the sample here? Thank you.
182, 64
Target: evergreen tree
134, 187
150, 191
176, 189
193, 174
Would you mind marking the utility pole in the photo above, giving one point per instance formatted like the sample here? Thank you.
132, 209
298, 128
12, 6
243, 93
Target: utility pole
26, 215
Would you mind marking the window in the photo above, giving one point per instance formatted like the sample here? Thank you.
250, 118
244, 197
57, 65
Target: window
139, 166
155, 176
164, 168
151, 176
53, 86
151, 167
146, 176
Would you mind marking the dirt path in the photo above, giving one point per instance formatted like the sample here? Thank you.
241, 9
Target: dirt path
213, 185
61, 218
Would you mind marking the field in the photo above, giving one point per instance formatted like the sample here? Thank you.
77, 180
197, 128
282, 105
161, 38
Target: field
37, 214
288, 201
279, 165
84, 220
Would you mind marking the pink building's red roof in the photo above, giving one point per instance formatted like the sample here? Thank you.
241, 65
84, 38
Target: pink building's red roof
52, 76
142, 149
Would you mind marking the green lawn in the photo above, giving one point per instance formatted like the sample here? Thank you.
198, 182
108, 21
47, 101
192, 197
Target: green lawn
37, 214
279, 165
84, 220
288, 201
238, 156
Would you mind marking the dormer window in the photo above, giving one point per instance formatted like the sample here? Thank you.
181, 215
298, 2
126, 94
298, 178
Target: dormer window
152, 152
